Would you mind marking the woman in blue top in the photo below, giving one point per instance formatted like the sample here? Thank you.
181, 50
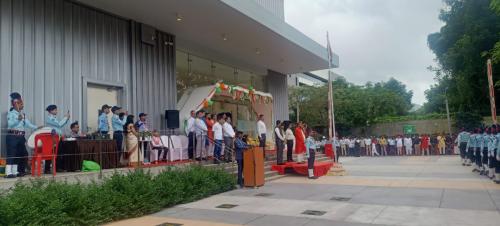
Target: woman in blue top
56, 125
311, 152
53, 122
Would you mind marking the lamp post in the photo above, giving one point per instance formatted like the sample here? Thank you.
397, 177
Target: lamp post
447, 111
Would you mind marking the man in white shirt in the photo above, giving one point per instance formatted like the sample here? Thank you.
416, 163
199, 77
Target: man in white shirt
290, 140
218, 137
190, 133
200, 130
399, 145
262, 134
392, 145
368, 145
228, 133
408, 145
280, 142
351, 143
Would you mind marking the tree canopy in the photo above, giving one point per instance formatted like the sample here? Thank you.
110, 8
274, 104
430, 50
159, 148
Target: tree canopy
355, 105
468, 38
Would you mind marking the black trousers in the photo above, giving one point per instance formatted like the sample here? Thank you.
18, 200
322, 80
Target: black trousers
191, 144
48, 163
16, 152
497, 165
310, 160
228, 149
262, 143
289, 149
462, 146
485, 157
118, 137
477, 157
240, 171
279, 151
470, 155
492, 162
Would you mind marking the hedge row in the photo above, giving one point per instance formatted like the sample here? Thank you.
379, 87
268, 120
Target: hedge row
119, 197
411, 117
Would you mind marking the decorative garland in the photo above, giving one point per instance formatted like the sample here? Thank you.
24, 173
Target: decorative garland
238, 93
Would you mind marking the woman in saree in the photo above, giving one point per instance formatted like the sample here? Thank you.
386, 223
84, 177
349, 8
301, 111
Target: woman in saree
135, 158
300, 146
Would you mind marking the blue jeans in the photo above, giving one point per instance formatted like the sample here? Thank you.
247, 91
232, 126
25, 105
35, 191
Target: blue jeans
217, 149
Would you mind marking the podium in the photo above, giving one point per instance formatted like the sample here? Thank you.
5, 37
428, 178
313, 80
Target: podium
253, 167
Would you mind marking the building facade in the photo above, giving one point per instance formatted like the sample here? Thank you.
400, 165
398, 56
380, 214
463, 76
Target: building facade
142, 54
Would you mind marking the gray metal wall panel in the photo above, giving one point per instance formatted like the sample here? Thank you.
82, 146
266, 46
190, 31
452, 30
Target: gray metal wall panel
277, 85
48, 46
276, 7
153, 79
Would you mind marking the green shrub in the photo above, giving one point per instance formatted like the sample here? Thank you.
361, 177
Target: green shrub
118, 197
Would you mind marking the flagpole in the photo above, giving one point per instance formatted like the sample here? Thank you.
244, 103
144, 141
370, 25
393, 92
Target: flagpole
331, 109
330, 133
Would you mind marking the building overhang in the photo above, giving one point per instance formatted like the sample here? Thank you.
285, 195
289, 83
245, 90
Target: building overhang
235, 32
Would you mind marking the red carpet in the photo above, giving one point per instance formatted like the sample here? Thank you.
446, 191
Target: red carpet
320, 168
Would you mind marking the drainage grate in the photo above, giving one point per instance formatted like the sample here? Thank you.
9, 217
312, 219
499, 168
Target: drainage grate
169, 224
264, 194
226, 206
341, 199
314, 212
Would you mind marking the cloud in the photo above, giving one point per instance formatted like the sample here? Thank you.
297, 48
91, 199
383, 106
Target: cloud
375, 39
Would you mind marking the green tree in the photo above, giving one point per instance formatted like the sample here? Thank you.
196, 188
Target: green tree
495, 5
462, 47
354, 105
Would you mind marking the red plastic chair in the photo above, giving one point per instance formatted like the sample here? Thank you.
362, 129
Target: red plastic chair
48, 151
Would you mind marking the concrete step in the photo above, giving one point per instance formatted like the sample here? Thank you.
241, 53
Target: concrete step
269, 175
272, 178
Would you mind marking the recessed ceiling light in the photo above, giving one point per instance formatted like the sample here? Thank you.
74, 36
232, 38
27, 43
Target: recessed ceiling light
178, 17
257, 51
224, 37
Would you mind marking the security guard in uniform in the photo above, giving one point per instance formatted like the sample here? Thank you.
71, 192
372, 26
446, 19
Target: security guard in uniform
494, 163
480, 137
470, 140
17, 155
492, 153
103, 126
462, 141
490, 142
117, 125
56, 125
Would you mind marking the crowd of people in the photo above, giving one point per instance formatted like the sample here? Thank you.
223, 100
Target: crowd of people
122, 125
424, 144
215, 133
209, 135
480, 148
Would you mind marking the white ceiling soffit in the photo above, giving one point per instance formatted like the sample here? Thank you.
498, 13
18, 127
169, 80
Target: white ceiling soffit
237, 32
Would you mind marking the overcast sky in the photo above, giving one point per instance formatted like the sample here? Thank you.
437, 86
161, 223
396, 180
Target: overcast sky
375, 39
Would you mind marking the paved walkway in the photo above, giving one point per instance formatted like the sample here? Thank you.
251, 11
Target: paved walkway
376, 191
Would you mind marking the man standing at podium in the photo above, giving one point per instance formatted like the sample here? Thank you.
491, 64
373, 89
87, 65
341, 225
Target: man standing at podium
240, 147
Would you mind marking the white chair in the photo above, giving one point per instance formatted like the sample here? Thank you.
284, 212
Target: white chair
178, 147
184, 144
172, 155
